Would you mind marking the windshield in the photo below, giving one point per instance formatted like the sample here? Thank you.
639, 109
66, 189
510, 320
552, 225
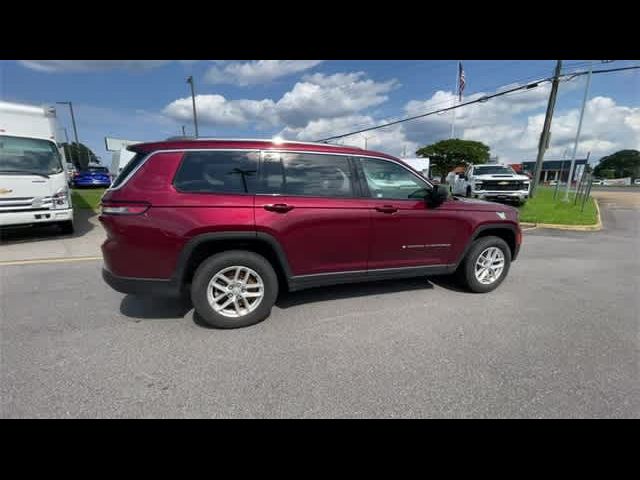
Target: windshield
493, 170
29, 155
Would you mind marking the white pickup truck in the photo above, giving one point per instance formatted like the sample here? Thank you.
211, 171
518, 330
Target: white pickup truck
491, 182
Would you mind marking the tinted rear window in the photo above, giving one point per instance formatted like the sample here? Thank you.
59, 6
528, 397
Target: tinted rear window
217, 172
133, 164
306, 174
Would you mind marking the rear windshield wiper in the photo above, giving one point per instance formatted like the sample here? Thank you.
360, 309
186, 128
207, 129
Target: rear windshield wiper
26, 172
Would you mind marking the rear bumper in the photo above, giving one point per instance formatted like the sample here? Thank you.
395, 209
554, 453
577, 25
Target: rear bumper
35, 216
141, 286
91, 183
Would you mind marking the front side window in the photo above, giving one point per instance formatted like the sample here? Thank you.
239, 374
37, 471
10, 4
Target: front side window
29, 156
306, 174
388, 180
217, 172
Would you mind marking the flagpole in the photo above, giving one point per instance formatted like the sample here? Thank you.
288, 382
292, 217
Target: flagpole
455, 103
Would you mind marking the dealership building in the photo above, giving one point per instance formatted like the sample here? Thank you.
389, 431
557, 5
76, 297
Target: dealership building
556, 169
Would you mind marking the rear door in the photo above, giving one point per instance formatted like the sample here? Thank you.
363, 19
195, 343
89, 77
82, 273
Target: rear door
405, 232
311, 204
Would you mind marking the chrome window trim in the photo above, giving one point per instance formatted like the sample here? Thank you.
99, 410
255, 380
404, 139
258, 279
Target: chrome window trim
260, 150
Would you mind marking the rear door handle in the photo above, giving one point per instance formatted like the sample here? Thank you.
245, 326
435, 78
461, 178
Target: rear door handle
278, 207
387, 209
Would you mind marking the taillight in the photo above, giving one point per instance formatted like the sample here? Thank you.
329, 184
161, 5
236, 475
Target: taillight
124, 208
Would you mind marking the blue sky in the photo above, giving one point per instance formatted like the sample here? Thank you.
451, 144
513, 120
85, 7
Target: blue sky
306, 100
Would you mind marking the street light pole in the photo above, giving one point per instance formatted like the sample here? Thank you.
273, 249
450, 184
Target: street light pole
75, 130
366, 140
193, 100
575, 145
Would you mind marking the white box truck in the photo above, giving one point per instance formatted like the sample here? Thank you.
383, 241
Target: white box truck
33, 176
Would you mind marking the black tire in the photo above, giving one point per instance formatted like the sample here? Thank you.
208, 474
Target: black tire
219, 261
466, 271
66, 227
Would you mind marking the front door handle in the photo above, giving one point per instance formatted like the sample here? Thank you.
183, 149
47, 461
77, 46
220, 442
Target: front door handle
278, 207
387, 209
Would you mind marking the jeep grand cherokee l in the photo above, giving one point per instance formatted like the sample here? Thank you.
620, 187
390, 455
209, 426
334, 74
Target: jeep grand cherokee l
232, 222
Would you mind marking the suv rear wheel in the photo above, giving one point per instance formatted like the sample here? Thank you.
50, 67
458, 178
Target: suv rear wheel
486, 264
234, 289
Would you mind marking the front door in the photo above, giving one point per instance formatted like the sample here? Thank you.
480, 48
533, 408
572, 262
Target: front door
405, 232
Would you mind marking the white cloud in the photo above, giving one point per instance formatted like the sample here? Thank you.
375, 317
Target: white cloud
317, 97
390, 140
73, 66
327, 96
217, 110
255, 72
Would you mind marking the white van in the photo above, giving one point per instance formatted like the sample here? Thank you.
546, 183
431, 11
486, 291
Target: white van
33, 176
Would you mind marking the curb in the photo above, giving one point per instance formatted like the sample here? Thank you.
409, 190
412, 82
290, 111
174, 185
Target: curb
576, 228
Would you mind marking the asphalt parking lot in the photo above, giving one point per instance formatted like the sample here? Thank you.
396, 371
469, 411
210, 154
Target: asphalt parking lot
559, 338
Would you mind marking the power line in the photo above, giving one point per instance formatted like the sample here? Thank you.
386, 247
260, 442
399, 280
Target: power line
479, 100
471, 102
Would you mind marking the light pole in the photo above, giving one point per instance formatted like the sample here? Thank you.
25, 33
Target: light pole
75, 130
193, 100
366, 139
575, 146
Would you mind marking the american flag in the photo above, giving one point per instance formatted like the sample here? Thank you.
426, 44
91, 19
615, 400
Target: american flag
461, 82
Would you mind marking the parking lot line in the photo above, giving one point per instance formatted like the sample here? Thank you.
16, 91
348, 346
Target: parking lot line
48, 260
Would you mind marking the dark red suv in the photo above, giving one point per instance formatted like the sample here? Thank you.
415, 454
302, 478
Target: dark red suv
234, 221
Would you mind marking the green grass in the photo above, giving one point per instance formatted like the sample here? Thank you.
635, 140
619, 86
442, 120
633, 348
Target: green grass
544, 209
88, 198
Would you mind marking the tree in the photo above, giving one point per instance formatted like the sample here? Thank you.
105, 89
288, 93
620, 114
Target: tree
79, 154
445, 155
625, 163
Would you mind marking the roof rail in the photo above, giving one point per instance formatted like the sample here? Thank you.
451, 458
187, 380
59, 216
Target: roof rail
178, 138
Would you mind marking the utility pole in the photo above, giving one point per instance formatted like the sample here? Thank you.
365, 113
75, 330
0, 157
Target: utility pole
544, 136
193, 100
575, 145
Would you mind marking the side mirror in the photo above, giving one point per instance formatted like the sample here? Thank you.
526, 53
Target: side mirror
436, 196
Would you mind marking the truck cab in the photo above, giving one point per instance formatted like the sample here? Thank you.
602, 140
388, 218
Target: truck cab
491, 182
33, 174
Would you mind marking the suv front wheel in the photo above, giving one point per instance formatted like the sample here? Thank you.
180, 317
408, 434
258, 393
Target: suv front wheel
234, 289
486, 264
